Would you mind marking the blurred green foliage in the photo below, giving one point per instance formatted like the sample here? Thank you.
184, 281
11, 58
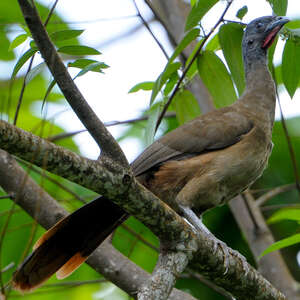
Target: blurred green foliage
134, 239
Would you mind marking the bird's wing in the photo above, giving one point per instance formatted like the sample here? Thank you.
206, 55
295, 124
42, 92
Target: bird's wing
215, 130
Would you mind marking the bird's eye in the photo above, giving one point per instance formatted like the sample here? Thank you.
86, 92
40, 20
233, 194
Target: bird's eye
259, 25
250, 42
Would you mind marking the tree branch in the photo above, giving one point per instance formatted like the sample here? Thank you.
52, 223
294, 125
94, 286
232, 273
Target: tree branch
170, 264
117, 184
42, 207
173, 13
259, 237
274, 192
103, 177
72, 94
177, 86
135, 199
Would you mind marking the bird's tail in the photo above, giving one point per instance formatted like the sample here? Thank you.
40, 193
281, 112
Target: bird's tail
65, 246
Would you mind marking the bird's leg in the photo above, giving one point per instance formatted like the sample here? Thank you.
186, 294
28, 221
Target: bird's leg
197, 223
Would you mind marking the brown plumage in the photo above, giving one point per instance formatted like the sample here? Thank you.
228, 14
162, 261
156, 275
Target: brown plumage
197, 166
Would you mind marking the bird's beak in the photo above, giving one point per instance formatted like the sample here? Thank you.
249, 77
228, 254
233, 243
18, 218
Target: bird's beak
272, 29
277, 23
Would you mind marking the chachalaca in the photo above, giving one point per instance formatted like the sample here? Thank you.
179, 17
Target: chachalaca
197, 166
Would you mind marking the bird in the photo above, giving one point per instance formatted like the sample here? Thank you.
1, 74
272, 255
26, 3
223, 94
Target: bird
202, 164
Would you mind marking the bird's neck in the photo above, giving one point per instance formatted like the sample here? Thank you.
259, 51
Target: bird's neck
260, 90
257, 74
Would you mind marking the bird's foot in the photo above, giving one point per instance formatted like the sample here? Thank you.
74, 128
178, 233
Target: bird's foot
197, 223
227, 253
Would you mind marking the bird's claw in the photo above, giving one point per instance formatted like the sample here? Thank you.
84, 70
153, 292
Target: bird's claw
227, 252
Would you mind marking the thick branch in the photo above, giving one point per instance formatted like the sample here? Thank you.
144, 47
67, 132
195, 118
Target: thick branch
260, 237
127, 193
72, 94
170, 264
42, 207
105, 178
174, 13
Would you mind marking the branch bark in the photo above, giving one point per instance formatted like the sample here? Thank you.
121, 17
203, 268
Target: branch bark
42, 207
126, 192
174, 13
72, 94
117, 182
261, 238
170, 264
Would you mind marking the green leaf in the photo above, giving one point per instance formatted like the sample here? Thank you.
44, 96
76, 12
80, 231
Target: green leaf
242, 12
151, 124
230, 38
186, 106
78, 50
81, 63
216, 78
279, 6
18, 41
271, 53
5, 43
145, 86
87, 65
188, 38
290, 66
49, 89
26, 29
171, 83
197, 12
213, 44
193, 2
292, 240
193, 69
162, 78
94, 67
65, 35
285, 214
34, 72
32, 44
22, 60
293, 24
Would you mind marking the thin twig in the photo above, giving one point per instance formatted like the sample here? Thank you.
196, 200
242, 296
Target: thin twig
107, 124
110, 148
73, 283
189, 65
274, 192
279, 206
287, 136
139, 237
105, 259
16, 210
8, 267
15, 228
23, 90
50, 13
43, 174
2, 235
236, 22
29, 69
221, 291
291, 148
162, 22
150, 31
5, 197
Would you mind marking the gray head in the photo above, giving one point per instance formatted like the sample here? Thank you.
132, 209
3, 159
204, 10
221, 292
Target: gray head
259, 36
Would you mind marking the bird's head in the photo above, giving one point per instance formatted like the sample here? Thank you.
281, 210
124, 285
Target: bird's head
259, 36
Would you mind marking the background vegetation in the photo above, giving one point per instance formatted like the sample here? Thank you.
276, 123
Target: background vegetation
28, 87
